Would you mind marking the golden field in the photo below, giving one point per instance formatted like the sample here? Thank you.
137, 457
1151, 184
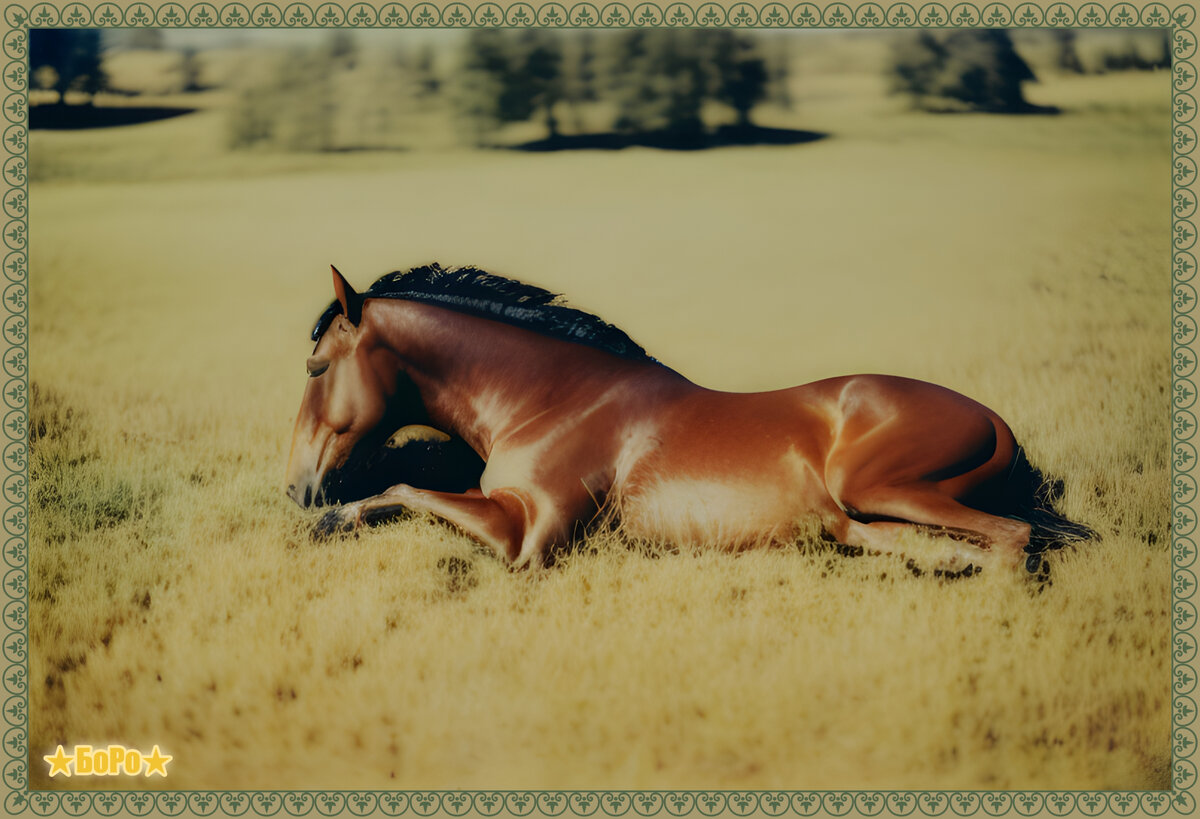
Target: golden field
177, 599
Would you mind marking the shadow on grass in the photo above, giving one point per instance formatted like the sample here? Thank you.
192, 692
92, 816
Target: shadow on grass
725, 136
366, 149
1027, 108
76, 117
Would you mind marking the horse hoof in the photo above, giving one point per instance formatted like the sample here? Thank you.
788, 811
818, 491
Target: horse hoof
333, 523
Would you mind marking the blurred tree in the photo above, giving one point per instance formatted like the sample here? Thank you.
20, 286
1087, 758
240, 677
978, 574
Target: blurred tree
1067, 57
190, 70
146, 39
579, 80
428, 82
509, 78
585, 68
1139, 53
74, 56
481, 80
969, 69
745, 86
252, 118
655, 81
740, 75
540, 74
779, 73
382, 94
306, 110
45, 77
659, 81
342, 48
293, 110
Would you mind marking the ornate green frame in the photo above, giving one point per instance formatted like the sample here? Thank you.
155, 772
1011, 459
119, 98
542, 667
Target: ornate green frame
18, 19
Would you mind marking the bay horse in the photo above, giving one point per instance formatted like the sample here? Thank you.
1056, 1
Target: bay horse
573, 422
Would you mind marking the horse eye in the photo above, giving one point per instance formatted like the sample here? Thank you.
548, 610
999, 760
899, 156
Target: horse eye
316, 366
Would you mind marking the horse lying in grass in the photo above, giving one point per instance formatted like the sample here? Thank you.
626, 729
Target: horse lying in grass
575, 423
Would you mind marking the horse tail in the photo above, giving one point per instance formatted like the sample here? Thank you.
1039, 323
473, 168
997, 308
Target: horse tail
1033, 497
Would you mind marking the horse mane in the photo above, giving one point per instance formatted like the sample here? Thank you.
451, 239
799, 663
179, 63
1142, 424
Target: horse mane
486, 295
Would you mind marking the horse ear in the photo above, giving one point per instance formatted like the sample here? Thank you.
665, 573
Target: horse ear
351, 302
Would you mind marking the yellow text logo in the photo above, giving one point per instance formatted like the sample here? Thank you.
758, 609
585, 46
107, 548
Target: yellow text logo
114, 760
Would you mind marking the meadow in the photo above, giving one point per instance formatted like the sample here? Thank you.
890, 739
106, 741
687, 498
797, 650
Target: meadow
177, 598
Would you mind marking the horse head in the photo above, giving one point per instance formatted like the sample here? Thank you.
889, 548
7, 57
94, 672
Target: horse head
357, 396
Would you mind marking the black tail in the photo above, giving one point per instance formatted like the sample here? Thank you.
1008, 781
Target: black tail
1033, 497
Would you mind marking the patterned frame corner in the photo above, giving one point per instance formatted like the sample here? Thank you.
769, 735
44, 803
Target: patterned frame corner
18, 19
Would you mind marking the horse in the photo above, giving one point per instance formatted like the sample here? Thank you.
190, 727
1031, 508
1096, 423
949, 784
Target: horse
575, 423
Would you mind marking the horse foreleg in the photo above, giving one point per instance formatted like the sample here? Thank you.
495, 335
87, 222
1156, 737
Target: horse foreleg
499, 521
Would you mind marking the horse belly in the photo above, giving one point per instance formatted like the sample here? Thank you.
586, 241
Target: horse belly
713, 512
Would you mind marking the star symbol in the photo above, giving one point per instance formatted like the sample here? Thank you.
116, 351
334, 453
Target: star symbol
59, 762
156, 762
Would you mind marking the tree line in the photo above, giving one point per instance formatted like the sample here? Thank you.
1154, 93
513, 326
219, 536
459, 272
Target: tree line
652, 81
669, 83
637, 82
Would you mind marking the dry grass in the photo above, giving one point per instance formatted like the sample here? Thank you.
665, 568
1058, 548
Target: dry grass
177, 600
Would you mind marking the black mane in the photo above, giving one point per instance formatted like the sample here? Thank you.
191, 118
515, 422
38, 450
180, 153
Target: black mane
479, 293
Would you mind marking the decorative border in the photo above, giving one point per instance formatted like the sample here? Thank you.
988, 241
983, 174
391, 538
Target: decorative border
1183, 392
18, 19
771, 15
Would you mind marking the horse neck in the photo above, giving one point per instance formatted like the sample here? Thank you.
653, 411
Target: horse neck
478, 378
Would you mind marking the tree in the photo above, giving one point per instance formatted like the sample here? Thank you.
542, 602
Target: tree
293, 110
657, 80
779, 73
74, 57
507, 78
146, 39
540, 74
969, 69
342, 48
1138, 53
428, 83
660, 82
740, 74
661, 79
585, 68
190, 70
306, 97
481, 81
1067, 57
579, 81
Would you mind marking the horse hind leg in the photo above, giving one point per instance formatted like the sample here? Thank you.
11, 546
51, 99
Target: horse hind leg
876, 519
948, 556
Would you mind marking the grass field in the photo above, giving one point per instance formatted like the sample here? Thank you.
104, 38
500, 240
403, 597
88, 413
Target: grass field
176, 597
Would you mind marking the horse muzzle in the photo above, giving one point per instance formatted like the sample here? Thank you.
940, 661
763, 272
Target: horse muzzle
299, 497
309, 490
305, 496
308, 471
